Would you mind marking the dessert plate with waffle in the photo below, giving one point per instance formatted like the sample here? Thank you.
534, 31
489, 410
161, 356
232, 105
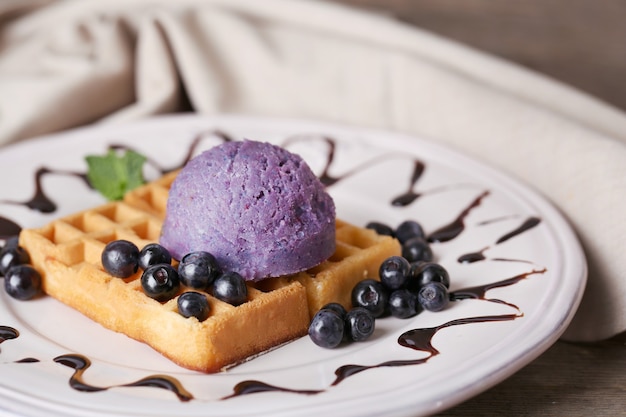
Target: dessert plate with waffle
97, 345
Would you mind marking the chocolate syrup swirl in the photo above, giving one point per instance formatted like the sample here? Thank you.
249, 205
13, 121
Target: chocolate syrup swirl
325, 177
421, 339
410, 195
496, 220
472, 257
40, 201
252, 387
479, 255
80, 364
404, 199
191, 151
28, 360
346, 371
8, 333
456, 227
417, 339
479, 292
527, 225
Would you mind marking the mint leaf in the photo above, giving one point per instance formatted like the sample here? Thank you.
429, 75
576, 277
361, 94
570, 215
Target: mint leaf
113, 175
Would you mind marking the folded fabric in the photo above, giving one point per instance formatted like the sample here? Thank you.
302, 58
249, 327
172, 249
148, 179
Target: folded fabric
70, 63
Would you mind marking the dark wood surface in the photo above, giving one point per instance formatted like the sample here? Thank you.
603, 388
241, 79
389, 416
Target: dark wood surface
581, 43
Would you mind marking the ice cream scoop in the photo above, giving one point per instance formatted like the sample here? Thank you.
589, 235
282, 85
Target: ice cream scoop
258, 208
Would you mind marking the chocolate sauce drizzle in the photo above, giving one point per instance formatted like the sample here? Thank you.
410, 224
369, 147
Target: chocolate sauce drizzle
28, 360
410, 195
80, 364
456, 227
324, 177
40, 201
479, 255
479, 292
346, 371
328, 180
419, 339
8, 333
252, 387
191, 151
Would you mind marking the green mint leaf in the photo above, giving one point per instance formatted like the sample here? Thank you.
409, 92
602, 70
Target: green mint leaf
113, 175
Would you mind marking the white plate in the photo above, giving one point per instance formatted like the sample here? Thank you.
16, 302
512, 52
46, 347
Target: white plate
374, 167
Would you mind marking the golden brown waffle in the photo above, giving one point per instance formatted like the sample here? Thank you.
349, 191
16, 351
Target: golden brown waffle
68, 254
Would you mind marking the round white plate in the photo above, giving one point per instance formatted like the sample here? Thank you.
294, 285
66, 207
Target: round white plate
544, 263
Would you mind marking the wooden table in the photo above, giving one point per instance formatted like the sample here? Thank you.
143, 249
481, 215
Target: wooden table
581, 43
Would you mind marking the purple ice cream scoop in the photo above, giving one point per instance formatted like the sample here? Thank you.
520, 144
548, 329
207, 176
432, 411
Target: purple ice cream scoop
258, 208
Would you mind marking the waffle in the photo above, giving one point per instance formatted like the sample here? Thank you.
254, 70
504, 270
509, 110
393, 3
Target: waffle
68, 251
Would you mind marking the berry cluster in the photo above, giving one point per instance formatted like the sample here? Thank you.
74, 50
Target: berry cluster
21, 280
407, 285
161, 281
333, 324
410, 234
405, 289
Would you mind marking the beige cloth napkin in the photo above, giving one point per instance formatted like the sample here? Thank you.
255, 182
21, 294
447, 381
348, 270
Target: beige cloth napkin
69, 63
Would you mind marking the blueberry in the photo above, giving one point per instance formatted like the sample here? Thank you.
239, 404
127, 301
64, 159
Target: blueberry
414, 269
371, 295
11, 242
336, 307
394, 272
231, 288
193, 304
341, 310
409, 229
153, 254
404, 304
433, 296
12, 255
22, 282
120, 258
198, 270
359, 324
327, 328
380, 228
160, 282
427, 272
417, 249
